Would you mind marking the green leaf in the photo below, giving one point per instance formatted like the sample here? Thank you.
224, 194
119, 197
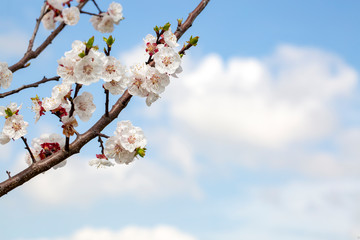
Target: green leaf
140, 152
156, 29
194, 41
90, 43
82, 54
166, 27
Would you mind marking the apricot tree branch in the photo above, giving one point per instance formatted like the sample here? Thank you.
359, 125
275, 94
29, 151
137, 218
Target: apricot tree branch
82, 139
182, 28
30, 54
35, 84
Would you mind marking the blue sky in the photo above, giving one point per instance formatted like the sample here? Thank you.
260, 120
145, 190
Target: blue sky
257, 139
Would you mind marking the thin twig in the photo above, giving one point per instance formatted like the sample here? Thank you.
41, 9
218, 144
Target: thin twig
89, 13
97, 6
101, 144
106, 102
77, 89
36, 29
8, 173
36, 84
29, 150
30, 54
191, 18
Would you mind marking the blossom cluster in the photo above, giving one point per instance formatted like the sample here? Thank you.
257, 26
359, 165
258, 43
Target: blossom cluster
15, 126
45, 146
150, 82
56, 11
128, 142
104, 23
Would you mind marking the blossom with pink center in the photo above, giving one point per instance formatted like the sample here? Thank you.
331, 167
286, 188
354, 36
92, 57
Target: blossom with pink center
15, 127
88, 70
155, 81
48, 20
115, 12
71, 16
112, 69
115, 150
117, 87
101, 161
84, 106
131, 137
45, 146
170, 38
167, 60
37, 108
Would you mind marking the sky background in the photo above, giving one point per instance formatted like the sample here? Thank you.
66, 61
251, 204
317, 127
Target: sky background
257, 139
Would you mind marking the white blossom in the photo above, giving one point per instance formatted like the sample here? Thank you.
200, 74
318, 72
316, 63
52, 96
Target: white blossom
114, 150
137, 80
88, 70
117, 87
71, 16
15, 127
12, 107
57, 4
167, 60
37, 108
48, 20
57, 97
77, 47
115, 12
155, 81
5, 75
84, 106
46, 145
100, 162
130, 137
66, 69
170, 38
106, 24
151, 98
178, 70
112, 70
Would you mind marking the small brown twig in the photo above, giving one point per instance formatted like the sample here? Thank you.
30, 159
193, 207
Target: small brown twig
89, 13
106, 102
8, 173
28, 148
31, 54
97, 6
33, 85
191, 18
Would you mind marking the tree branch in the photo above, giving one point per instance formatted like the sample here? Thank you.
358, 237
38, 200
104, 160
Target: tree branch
33, 85
181, 29
30, 54
82, 139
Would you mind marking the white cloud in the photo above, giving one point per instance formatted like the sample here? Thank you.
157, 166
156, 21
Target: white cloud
143, 179
326, 210
269, 103
161, 232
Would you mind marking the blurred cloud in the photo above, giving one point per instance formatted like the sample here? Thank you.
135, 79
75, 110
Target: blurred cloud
270, 103
143, 179
161, 232
324, 210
